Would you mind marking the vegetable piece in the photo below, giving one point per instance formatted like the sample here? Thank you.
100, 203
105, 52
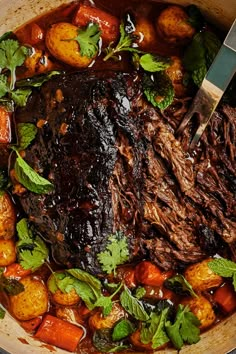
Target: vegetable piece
31, 325
35, 34
5, 125
135, 339
184, 329
180, 285
202, 309
68, 298
37, 62
176, 73
225, 297
26, 134
16, 271
62, 45
31, 302
108, 24
224, 267
122, 330
148, 273
201, 277
7, 217
127, 275
133, 306
32, 251
144, 34
173, 25
102, 341
116, 253
157, 293
60, 333
10, 286
98, 321
7, 252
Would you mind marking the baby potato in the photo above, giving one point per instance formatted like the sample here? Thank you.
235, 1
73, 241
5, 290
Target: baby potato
7, 252
201, 277
202, 309
32, 302
37, 63
60, 43
176, 73
136, 341
145, 32
98, 321
173, 26
66, 299
7, 217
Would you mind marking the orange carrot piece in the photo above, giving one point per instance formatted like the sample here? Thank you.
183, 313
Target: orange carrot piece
60, 333
31, 325
16, 271
5, 126
36, 34
148, 273
108, 24
225, 296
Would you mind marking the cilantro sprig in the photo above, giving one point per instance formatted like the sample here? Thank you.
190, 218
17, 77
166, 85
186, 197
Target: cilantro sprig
224, 268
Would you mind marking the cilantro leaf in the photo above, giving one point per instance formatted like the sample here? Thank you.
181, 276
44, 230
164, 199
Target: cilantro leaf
180, 285
31, 249
88, 40
224, 268
133, 306
26, 134
2, 312
29, 178
154, 63
184, 329
12, 54
153, 331
3, 85
158, 90
122, 330
116, 253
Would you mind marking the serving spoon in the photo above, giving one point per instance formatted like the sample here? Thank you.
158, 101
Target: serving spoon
213, 86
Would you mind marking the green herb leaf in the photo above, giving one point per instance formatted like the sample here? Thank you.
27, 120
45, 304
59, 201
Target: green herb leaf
89, 279
31, 179
122, 330
20, 96
88, 40
184, 329
116, 253
9, 285
102, 340
133, 306
3, 85
140, 292
180, 285
224, 268
31, 249
158, 90
153, 331
38, 80
26, 134
3, 180
195, 19
5, 36
2, 312
106, 303
154, 63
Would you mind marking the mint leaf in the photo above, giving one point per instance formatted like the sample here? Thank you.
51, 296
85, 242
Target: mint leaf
116, 253
133, 306
88, 40
153, 331
20, 96
26, 134
89, 279
140, 292
31, 179
31, 249
122, 330
154, 63
180, 285
224, 268
106, 303
36, 81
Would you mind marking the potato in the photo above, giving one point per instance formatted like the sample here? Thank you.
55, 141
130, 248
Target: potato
201, 277
7, 217
98, 321
67, 51
202, 309
7, 252
68, 314
66, 299
37, 63
145, 32
136, 341
32, 302
173, 26
176, 74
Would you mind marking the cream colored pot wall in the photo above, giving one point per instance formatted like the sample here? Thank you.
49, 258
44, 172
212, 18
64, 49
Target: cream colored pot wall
221, 338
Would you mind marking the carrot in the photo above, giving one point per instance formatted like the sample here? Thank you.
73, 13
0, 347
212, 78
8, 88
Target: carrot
108, 24
225, 296
36, 34
31, 325
15, 270
60, 333
148, 273
5, 126
127, 274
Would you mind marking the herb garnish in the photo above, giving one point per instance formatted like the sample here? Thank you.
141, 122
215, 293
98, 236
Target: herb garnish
180, 285
224, 268
122, 330
102, 340
154, 63
133, 306
26, 133
2, 312
9, 285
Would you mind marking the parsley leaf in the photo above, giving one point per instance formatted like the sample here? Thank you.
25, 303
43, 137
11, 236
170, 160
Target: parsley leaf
180, 285
153, 331
122, 330
116, 253
31, 249
133, 306
88, 40
2, 312
158, 90
184, 329
26, 134
225, 268
153, 63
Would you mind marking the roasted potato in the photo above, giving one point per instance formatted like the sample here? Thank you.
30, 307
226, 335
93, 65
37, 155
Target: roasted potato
201, 277
145, 33
61, 44
68, 314
32, 302
176, 73
7, 217
172, 25
37, 63
136, 341
98, 321
66, 299
202, 309
7, 252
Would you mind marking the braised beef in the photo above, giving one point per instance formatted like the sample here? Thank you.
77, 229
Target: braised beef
116, 165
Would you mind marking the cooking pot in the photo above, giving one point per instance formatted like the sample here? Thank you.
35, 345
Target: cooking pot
218, 340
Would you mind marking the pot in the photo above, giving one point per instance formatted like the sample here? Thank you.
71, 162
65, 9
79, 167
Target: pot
218, 340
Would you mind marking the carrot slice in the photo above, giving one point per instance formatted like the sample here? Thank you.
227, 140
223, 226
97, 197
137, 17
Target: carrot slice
5, 126
31, 325
60, 333
148, 273
225, 296
16, 271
